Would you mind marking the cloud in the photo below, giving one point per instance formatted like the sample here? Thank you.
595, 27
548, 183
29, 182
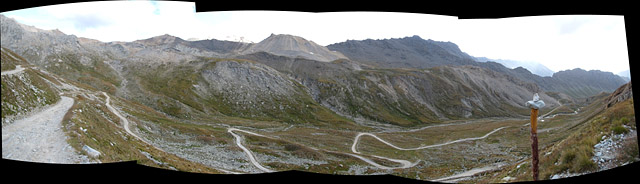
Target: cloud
83, 22
569, 25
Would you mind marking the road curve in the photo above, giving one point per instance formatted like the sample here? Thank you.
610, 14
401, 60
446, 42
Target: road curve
247, 151
355, 142
125, 122
14, 71
405, 163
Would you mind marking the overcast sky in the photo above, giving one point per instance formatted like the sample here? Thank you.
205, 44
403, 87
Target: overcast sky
558, 42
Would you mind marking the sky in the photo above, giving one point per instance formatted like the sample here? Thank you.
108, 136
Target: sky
563, 42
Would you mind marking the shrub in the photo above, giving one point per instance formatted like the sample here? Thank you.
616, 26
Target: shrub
568, 156
584, 164
624, 120
619, 130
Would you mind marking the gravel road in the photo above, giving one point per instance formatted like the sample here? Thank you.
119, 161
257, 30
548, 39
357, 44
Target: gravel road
40, 138
14, 71
247, 151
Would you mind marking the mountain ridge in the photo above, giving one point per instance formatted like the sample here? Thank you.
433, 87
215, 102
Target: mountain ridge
290, 55
413, 52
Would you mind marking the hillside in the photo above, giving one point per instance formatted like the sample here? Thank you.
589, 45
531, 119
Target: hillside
48, 118
407, 97
415, 52
605, 139
23, 88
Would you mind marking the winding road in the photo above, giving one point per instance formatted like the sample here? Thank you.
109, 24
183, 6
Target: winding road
403, 163
125, 122
247, 151
355, 142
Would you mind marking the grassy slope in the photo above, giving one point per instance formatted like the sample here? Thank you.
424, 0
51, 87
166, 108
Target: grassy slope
24, 91
8, 63
436, 86
95, 73
572, 153
90, 123
174, 83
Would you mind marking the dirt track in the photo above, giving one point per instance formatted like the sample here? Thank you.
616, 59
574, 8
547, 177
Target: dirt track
40, 138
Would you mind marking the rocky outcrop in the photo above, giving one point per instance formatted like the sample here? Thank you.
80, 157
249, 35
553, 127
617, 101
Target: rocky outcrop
623, 93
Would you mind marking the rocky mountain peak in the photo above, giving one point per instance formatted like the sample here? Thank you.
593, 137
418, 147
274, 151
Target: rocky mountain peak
294, 46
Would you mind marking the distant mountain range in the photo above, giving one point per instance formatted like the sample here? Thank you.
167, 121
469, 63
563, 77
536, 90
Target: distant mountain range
626, 75
408, 52
533, 67
405, 81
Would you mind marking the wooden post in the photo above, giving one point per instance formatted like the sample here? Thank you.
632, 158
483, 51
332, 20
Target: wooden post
534, 143
535, 104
